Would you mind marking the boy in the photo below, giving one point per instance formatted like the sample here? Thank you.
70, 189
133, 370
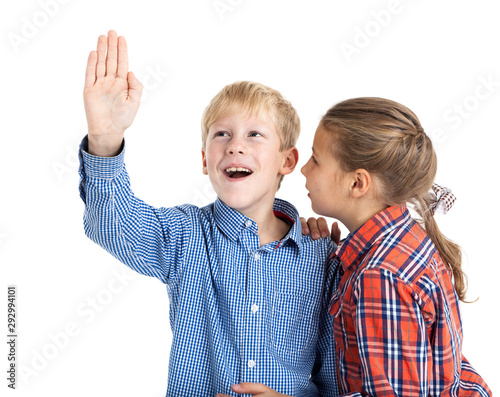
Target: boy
245, 287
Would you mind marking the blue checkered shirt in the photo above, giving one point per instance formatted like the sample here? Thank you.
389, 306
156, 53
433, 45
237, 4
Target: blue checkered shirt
239, 312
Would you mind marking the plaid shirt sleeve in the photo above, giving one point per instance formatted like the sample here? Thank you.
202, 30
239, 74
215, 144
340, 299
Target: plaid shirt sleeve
391, 335
149, 240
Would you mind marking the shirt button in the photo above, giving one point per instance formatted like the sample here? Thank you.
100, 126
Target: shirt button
254, 308
248, 223
256, 256
251, 364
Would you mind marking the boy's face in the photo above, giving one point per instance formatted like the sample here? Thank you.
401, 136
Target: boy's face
243, 160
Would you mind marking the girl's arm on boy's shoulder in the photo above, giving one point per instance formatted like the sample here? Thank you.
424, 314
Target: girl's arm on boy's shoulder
149, 240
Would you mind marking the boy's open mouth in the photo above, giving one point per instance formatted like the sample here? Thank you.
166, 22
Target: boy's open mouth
237, 172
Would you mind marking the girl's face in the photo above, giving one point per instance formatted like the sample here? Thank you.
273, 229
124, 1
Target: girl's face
326, 182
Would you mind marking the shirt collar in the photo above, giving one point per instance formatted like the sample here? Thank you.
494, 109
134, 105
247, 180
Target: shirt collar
362, 239
232, 223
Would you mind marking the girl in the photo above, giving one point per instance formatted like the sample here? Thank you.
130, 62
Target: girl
396, 306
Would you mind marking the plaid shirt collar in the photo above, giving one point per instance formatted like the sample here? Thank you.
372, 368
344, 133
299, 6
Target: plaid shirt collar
362, 239
232, 223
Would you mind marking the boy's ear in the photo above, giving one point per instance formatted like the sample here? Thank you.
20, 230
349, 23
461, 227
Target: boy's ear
291, 158
361, 183
204, 162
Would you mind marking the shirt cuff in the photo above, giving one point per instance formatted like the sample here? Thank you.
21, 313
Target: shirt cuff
101, 167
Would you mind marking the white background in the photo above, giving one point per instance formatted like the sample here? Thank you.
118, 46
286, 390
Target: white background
434, 57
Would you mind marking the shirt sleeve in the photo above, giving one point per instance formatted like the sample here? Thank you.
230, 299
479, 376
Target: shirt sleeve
149, 240
391, 335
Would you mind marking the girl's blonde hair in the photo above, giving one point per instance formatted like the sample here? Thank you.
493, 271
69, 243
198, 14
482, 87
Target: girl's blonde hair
386, 139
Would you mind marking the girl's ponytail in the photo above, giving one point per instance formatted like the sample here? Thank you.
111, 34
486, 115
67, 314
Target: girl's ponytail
450, 252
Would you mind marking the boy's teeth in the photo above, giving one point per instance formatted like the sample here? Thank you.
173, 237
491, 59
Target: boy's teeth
235, 169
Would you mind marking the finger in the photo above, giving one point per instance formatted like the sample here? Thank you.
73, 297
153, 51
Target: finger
112, 56
122, 57
91, 69
249, 388
323, 227
305, 228
335, 236
101, 56
313, 227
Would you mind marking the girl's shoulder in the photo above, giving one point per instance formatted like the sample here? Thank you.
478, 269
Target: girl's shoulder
406, 252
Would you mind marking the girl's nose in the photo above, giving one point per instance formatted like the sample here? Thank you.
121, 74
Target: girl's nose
303, 170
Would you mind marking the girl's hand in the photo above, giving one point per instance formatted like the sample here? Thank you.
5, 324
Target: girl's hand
256, 389
319, 228
111, 95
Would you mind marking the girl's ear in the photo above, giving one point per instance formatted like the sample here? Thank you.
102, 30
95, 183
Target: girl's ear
291, 158
361, 183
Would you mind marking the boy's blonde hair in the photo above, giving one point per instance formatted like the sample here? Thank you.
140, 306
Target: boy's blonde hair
253, 98
386, 139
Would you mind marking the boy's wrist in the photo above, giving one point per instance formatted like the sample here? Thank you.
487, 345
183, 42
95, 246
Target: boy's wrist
103, 167
104, 146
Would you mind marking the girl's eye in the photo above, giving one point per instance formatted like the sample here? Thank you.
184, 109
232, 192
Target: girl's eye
314, 160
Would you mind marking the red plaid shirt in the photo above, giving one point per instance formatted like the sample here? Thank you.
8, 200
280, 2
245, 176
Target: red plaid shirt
397, 320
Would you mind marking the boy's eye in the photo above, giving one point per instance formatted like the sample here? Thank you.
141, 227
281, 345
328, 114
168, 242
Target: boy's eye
254, 133
221, 133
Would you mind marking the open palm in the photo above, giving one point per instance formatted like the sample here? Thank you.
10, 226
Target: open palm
111, 95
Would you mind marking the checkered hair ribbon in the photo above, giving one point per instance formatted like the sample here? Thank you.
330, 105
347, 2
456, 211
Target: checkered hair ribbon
443, 200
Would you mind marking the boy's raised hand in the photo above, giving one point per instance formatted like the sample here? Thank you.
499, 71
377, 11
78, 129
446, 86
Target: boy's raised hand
111, 95
256, 389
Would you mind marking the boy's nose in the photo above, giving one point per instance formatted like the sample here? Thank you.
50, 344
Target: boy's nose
235, 148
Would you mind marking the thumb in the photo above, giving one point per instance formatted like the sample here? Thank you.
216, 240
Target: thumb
134, 87
335, 236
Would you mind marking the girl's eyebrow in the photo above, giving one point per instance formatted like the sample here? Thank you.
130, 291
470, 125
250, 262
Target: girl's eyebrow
314, 152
